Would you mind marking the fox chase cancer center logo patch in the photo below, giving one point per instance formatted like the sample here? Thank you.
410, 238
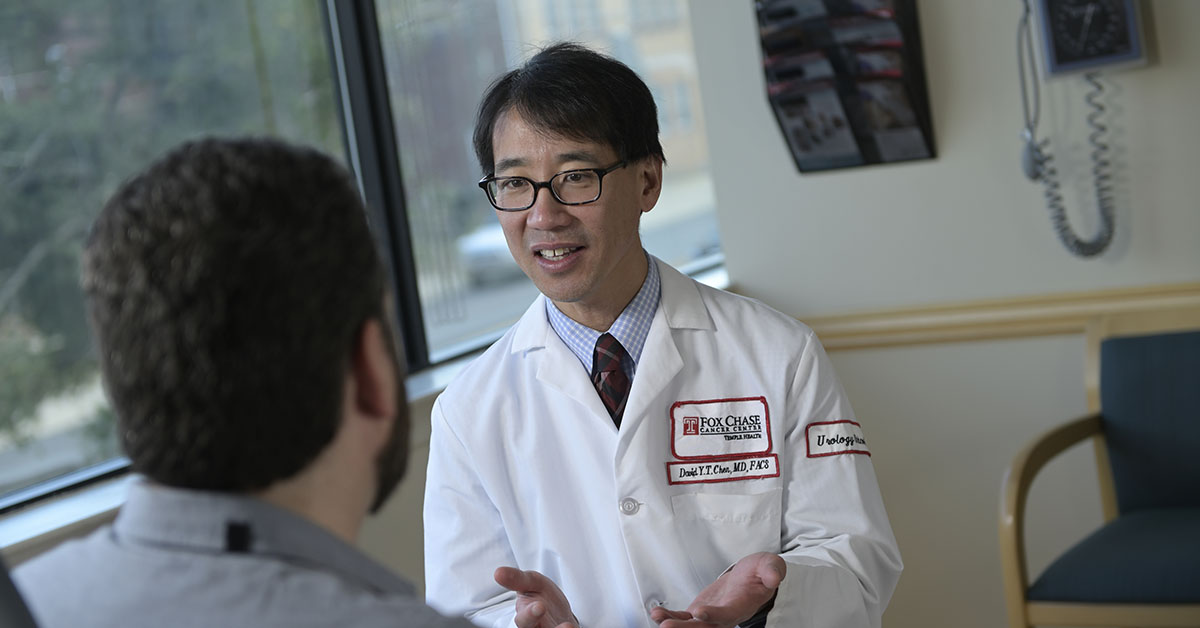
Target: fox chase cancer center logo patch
720, 428
830, 438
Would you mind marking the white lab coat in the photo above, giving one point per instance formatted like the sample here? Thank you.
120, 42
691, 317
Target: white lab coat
526, 469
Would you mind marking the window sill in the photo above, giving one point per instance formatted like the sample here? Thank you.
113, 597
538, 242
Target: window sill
28, 531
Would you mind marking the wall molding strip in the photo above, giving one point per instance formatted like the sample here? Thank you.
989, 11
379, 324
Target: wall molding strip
992, 319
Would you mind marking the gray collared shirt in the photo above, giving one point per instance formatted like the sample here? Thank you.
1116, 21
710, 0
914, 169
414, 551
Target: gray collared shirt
189, 558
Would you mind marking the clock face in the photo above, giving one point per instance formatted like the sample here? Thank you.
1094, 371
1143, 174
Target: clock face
1083, 30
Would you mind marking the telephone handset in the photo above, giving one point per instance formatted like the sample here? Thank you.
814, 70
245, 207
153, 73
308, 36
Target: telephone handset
1079, 36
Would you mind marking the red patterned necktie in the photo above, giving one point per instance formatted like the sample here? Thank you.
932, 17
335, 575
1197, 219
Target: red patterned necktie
609, 378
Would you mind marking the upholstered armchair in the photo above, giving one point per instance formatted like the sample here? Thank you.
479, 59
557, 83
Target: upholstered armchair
1142, 566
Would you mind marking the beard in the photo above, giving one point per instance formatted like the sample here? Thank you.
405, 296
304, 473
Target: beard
392, 461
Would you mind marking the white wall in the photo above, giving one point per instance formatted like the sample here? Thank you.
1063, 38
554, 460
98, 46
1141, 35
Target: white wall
945, 420
966, 225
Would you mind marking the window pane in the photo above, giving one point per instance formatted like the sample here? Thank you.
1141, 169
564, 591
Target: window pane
440, 58
90, 92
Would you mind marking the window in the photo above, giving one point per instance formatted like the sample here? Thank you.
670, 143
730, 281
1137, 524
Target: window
658, 14
440, 57
91, 91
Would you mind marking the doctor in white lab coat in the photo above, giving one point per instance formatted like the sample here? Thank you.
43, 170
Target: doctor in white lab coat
733, 486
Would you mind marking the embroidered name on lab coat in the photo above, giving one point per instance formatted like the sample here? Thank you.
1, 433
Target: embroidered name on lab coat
830, 438
723, 471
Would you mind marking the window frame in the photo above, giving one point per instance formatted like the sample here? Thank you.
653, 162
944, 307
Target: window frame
356, 51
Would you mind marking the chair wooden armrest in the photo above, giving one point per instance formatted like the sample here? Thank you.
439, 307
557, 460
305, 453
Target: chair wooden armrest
1014, 492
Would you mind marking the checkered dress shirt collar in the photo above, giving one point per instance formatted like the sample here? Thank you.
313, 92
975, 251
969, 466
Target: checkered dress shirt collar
630, 328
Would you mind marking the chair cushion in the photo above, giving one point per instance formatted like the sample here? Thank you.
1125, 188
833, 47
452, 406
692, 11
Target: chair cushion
1145, 557
1150, 400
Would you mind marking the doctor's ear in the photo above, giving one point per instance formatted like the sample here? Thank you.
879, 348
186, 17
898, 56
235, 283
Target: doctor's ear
649, 171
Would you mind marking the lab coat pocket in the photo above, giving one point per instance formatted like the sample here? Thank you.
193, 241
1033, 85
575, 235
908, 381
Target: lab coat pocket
719, 529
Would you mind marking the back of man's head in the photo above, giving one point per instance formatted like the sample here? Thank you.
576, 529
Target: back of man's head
571, 91
226, 285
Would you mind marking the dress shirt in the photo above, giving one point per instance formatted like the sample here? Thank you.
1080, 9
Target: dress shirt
630, 328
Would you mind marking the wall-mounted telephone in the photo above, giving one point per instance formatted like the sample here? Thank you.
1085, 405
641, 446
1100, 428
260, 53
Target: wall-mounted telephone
1078, 36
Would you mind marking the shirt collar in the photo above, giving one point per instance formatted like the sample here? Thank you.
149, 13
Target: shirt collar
213, 523
630, 328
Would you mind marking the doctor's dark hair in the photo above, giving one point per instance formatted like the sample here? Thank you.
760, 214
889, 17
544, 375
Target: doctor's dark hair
227, 285
570, 91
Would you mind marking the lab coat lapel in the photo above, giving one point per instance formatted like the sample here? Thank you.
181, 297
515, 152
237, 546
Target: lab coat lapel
680, 307
560, 369
659, 365
557, 368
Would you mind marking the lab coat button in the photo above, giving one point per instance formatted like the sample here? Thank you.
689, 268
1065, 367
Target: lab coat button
652, 603
629, 506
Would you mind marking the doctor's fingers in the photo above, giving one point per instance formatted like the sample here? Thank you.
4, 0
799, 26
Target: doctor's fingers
685, 623
765, 567
532, 614
772, 569
525, 582
716, 616
529, 615
669, 618
540, 603
659, 614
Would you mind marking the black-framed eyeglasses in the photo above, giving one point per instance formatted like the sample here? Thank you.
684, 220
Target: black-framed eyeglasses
569, 187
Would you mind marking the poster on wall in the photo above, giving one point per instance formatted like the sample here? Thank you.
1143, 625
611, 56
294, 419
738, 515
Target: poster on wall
846, 81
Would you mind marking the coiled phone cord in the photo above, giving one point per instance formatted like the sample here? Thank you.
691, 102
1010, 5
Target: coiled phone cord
1038, 163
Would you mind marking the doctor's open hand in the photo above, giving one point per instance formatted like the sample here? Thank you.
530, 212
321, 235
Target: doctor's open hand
540, 603
736, 596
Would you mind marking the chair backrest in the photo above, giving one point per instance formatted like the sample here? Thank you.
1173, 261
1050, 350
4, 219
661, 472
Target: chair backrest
1150, 402
1147, 375
13, 612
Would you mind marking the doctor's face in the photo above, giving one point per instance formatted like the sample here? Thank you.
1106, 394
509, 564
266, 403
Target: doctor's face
585, 258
